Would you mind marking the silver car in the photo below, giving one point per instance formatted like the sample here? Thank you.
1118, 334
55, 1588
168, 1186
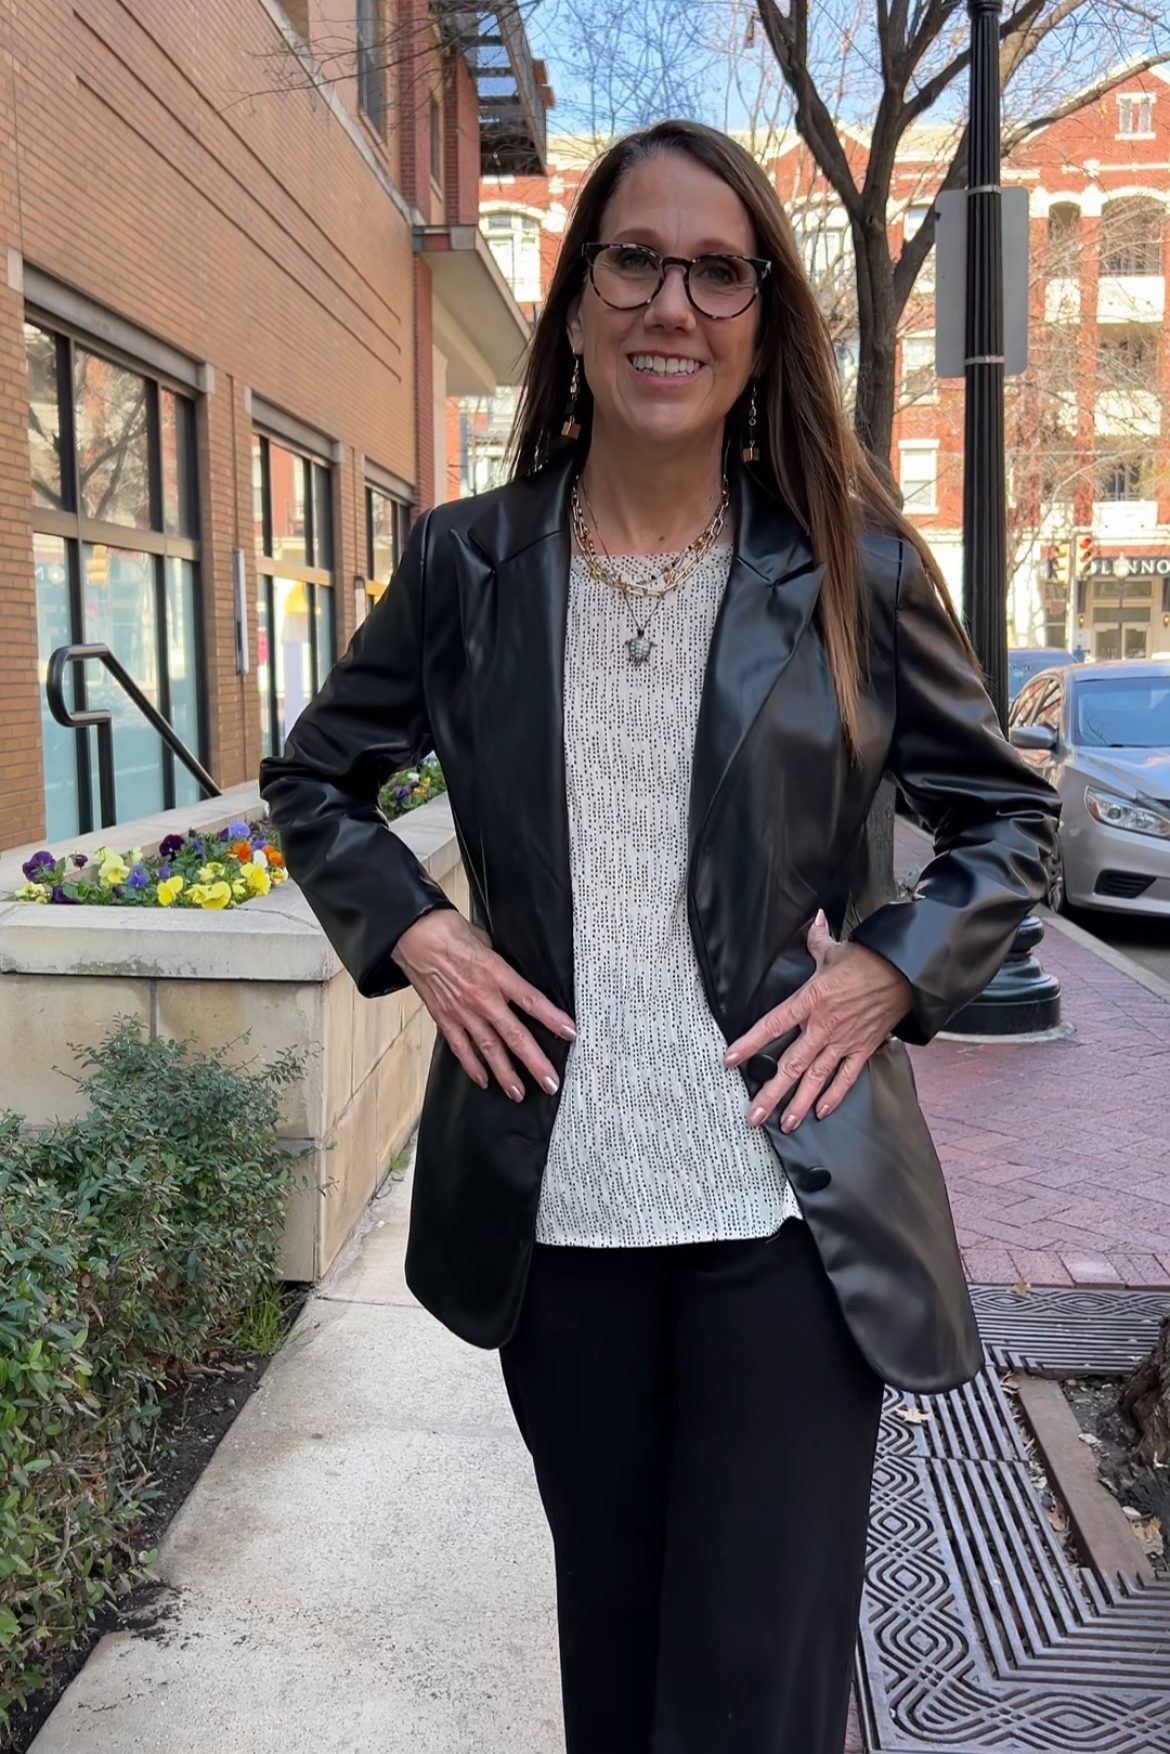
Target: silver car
1101, 734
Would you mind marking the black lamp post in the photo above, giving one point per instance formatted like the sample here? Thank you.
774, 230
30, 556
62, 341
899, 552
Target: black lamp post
1021, 998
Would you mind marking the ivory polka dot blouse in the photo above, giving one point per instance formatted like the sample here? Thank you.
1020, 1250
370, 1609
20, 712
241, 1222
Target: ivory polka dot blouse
651, 1143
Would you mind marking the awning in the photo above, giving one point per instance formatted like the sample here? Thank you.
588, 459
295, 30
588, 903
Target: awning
478, 325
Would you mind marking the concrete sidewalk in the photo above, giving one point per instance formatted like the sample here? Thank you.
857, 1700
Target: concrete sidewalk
363, 1568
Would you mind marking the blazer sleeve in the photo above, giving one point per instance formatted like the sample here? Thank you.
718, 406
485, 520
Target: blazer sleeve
993, 819
369, 719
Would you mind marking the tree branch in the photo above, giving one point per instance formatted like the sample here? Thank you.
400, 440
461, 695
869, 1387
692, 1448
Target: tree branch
814, 124
1021, 131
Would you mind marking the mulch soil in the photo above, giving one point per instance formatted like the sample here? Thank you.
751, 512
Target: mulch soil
198, 1410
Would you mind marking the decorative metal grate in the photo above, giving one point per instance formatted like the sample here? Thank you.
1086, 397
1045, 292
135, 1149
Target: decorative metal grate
977, 1633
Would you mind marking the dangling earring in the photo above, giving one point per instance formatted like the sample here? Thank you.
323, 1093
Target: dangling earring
572, 426
751, 451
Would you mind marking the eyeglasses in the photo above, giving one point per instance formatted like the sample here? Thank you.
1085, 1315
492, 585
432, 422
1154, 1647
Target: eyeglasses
626, 276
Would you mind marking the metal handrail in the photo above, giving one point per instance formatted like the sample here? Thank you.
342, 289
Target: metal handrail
102, 719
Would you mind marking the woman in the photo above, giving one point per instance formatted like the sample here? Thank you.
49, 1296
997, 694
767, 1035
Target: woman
671, 1160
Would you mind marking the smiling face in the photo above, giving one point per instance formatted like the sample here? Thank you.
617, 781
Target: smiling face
663, 373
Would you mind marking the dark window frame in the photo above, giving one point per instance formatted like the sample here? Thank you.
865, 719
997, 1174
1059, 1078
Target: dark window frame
78, 530
310, 573
371, 75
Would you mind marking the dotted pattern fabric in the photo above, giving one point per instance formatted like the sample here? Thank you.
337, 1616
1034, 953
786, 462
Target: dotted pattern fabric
651, 1143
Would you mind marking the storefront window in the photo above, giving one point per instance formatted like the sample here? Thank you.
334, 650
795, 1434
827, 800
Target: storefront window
112, 451
296, 643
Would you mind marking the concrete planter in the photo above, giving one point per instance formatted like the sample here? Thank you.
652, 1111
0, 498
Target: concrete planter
265, 970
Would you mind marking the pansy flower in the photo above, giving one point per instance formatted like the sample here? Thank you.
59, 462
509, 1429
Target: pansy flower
170, 845
42, 860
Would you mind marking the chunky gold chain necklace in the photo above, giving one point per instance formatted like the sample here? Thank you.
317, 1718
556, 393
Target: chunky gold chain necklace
602, 570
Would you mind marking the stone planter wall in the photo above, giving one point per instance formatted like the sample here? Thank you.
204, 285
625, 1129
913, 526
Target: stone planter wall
265, 971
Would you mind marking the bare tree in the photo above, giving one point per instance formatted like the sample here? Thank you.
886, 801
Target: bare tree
906, 58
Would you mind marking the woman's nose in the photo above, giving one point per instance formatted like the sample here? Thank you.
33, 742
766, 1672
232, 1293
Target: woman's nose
670, 303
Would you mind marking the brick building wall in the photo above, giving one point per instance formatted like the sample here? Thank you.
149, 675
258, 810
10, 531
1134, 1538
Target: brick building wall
169, 164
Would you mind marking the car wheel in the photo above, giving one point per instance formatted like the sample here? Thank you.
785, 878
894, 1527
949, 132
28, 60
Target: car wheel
1055, 897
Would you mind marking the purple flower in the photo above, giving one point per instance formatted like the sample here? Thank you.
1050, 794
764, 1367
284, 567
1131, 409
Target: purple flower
117, 889
164, 872
235, 831
60, 895
195, 845
137, 878
79, 859
32, 867
169, 846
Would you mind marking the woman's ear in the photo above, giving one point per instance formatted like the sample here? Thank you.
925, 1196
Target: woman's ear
574, 327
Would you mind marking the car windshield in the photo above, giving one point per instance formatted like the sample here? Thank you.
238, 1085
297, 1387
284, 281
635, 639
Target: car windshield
1021, 667
1122, 712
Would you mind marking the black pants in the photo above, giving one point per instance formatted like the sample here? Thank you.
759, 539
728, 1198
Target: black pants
703, 1430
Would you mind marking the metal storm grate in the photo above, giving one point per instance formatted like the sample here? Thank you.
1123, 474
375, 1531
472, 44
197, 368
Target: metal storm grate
977, 1634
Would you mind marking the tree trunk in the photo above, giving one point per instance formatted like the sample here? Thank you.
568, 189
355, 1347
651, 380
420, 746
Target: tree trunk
877, 342
1145, 1396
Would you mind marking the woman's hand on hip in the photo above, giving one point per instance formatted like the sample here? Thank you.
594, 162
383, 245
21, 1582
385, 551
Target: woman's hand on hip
470, 992
844, 1012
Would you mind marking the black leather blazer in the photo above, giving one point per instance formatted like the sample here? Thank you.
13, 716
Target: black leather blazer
464, 654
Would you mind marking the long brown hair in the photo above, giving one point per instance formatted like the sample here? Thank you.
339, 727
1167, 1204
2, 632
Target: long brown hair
809, 454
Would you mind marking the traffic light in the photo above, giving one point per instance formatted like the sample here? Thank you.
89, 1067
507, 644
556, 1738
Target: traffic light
1060, 560
1086, 550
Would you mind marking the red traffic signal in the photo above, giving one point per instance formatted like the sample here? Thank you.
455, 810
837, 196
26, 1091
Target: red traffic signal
1086, 552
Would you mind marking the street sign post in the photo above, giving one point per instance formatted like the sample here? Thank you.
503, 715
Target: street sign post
950, 296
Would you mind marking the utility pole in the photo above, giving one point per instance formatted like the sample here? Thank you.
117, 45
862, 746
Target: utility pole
1020, 999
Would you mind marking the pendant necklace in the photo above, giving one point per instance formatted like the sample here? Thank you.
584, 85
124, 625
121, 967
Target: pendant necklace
602, 570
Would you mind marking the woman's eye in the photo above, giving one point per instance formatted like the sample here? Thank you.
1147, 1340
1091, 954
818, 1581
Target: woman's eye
632, 260
719, 271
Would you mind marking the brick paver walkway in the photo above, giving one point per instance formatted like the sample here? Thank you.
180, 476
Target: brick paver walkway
1057, 1154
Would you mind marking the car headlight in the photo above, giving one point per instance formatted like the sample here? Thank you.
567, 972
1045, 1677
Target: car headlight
1123, 813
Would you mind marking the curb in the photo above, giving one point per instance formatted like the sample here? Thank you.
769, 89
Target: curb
1116, 959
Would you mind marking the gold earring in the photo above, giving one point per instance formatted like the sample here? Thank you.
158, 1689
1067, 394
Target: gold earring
751, 451
572, 426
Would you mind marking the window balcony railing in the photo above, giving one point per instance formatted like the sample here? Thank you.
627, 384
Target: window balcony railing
1131, 298
1130, 411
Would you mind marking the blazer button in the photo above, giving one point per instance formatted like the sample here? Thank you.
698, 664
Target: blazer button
816, 1179
759, 1069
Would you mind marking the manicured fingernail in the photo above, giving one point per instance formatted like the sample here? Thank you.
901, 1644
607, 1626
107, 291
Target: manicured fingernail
516, 1092
821, 920
550, 1084
731, 1058
788, 1124
569, 1033
826, 1108
755, 1116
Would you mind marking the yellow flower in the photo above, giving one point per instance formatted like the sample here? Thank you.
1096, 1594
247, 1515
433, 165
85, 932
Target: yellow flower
31, 892
239, 888
113, 869
213, 895
168, 889
208, 873
278, 876
257, 878
136, 856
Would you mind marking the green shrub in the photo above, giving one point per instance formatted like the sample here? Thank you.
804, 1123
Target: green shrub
132, 1239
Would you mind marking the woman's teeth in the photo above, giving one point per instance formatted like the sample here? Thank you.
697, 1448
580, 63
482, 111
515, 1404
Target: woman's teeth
668, 368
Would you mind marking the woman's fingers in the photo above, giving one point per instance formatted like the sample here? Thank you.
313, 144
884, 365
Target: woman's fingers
845, 1078
531, 999
816, 1075
459, 1042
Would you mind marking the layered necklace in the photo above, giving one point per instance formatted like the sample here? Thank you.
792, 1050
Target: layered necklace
602, 570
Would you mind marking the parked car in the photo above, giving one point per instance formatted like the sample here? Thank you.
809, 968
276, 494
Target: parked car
1025, 661
1101, 734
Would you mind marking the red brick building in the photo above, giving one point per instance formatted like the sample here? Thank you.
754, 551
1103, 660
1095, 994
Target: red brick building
1088, 452
241, 274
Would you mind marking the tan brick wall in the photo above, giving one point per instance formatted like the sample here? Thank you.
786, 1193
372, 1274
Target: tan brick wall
166, 160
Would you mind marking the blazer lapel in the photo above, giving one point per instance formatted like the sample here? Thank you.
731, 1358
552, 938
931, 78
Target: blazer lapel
771, 594
514, 587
